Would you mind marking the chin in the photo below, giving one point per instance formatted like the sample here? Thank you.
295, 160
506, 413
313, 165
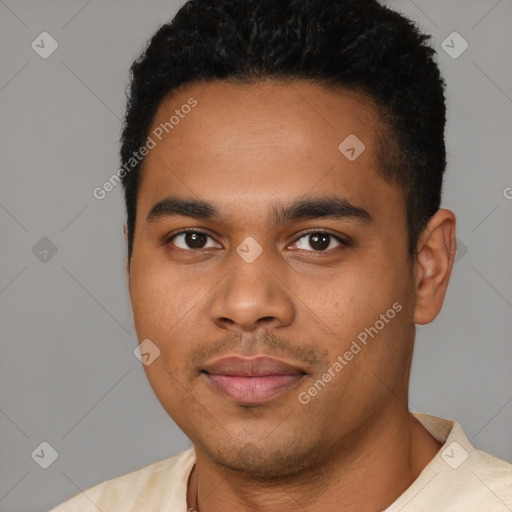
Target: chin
265, 461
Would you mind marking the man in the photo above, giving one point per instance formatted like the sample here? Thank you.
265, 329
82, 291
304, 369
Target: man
282, 165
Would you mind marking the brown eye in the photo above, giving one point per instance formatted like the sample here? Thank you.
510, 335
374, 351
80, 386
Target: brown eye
192, 240
318, 242
195, 240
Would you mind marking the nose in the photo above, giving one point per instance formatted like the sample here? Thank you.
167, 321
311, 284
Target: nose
252, 296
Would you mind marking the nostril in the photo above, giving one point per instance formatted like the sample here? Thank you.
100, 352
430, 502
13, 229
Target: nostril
226, 320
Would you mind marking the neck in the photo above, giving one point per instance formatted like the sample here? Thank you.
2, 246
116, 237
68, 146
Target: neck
380, 465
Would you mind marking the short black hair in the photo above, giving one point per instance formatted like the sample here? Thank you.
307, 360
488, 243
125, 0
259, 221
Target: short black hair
358, 45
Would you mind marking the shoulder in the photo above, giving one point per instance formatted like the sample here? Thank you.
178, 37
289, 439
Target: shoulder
471, 480
459, 478
162, 482
494, 475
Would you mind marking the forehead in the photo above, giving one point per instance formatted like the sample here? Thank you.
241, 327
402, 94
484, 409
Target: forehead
260, 142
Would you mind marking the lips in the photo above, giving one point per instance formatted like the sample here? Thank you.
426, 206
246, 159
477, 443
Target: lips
252, 380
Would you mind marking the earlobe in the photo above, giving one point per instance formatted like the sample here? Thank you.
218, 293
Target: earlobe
433, 266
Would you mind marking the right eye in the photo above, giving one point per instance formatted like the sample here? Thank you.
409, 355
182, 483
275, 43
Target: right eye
192, 240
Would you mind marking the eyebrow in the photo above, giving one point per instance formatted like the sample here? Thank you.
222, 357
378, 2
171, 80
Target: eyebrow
331, 207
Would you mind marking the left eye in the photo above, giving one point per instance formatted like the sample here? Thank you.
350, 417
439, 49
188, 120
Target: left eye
318, 241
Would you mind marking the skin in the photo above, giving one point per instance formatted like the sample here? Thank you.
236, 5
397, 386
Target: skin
246, 148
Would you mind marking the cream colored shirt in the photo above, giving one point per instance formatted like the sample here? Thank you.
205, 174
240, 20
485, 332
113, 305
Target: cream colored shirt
459, 478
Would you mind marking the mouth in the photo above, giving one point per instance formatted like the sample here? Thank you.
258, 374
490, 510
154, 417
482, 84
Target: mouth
252, 381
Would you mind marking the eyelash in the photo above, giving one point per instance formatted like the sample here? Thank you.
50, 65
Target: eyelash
345, 242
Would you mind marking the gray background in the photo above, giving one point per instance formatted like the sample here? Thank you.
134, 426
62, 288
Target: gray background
68, 375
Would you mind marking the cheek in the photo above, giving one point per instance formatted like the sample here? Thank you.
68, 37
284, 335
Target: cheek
161, 299
163, 307
169, 309
350, 299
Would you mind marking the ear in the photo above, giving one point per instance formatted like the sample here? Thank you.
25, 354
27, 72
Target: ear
433, 266
127, 264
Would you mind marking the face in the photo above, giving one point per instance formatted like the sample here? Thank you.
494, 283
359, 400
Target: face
270, 269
